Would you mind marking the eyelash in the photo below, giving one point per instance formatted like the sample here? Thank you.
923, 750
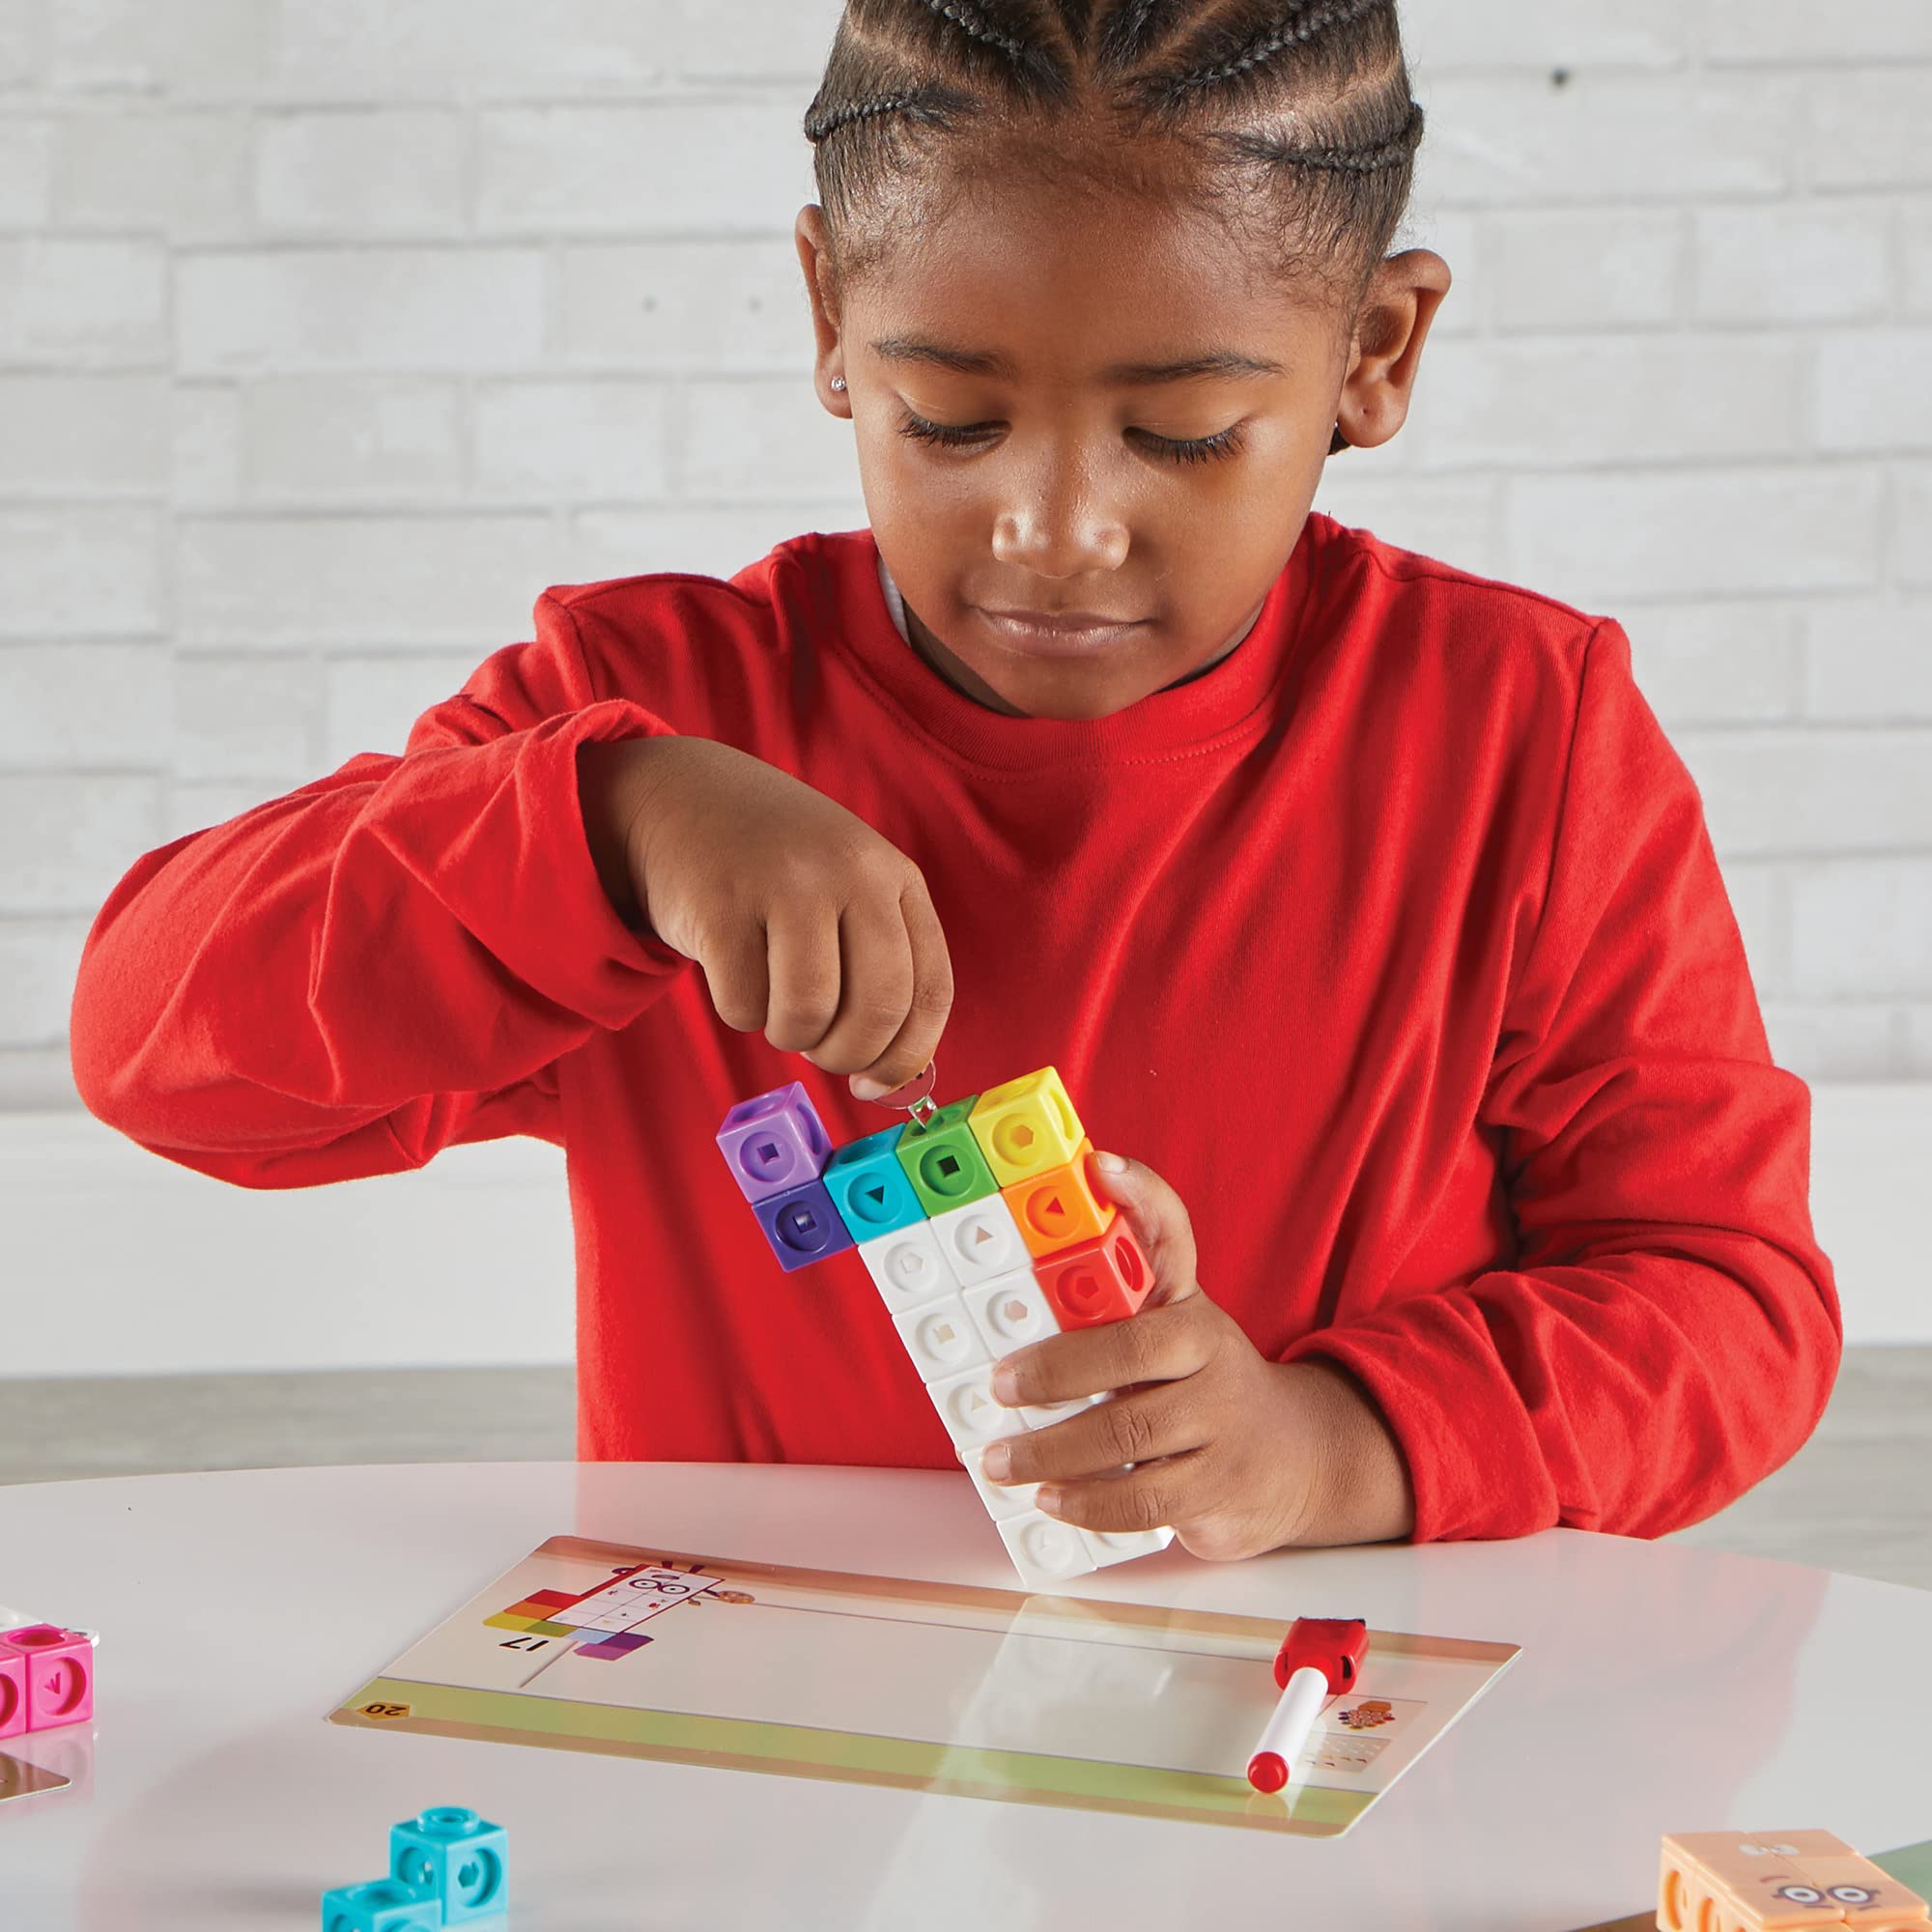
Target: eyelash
1197, 450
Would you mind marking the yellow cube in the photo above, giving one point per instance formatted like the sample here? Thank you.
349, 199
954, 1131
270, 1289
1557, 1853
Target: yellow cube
1026, 1127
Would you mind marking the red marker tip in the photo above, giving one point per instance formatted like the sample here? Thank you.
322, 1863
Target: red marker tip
1268, 1771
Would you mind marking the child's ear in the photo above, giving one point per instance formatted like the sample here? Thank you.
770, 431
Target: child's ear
814, 257
1390, 328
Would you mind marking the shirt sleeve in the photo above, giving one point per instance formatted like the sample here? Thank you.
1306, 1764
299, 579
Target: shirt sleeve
346, 980
1670, 1331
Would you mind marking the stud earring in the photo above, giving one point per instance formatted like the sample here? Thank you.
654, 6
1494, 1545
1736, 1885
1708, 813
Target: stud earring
838, 381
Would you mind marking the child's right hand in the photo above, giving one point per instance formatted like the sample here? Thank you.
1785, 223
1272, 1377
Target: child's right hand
808, 926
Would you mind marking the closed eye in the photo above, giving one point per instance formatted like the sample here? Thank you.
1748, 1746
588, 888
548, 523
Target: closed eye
1177, 449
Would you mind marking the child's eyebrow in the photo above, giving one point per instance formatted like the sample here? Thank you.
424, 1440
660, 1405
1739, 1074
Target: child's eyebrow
1225, 363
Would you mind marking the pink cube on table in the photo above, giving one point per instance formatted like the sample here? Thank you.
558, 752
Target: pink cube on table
774, 1143
59, 1670
13, 1693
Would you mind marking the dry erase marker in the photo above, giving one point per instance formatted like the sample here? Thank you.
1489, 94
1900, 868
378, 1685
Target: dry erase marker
1319, 1656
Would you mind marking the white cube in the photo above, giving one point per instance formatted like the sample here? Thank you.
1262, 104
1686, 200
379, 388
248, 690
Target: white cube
981, 1240
1010, 1312
971, 1415
1045, 1550
940, 1338
907, 1268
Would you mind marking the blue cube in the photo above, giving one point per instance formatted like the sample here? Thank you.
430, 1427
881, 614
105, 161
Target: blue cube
458, 1857
774, 1142
384, 1906
803, 1226
869, 1188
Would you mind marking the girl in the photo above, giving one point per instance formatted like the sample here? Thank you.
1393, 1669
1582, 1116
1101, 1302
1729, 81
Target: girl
1363, 898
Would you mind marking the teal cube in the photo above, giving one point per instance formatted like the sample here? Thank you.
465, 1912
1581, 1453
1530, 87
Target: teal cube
869, 1188
943, 1161
458, 1857
384, 1906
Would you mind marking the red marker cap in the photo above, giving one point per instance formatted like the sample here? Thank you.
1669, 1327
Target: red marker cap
1335, 1646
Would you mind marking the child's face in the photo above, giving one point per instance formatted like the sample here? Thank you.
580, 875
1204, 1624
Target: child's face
1063, 496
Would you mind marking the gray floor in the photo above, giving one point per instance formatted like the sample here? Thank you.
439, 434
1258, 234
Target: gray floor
1858, 1497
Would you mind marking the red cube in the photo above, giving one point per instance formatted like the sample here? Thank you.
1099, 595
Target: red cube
1099, 1280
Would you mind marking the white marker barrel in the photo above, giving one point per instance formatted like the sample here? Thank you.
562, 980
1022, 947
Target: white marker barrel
1273, 1763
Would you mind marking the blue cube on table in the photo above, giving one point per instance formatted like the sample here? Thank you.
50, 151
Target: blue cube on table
384, 1906
458, 1857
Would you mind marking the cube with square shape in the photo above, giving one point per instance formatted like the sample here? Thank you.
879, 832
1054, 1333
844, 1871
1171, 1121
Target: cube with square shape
1001, 1499
869, 1188
384, 1906
1010, 1312
801, 1226
906, 1267
59, 1673
941, 1339
1097, 1281
1058, 1207
774, 1143
13, 1693
1027, 1125
1045, 1550
972, 1414
458, 1856
943, 1160
980, 1240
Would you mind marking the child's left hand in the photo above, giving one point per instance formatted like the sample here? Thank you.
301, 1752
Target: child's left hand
1237, 1453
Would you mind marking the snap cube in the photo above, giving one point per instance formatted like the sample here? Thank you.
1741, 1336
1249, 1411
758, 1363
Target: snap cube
457, 1857
1057, 1207
1027, 1125
941, 1339
1045, 1550
1010, 1312
1117, 1546
801, 1226
1001, 1499
1096, 1281
13, 1693
869, 1188
972, 1414
381, 1906
906, 1265
979, 1241
943, 1160
774, 1143
58, 1676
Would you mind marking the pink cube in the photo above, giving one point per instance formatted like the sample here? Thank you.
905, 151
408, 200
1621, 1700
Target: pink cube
13, 1693
59, 1673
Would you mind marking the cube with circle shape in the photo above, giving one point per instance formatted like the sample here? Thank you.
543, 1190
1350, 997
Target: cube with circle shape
869, 1188
381, 1906
457, 1856
1097, 1281
906, 1267
943, 1160
981, 1240
941, 1339
1010, 1312
973, 1414
58, 1674
801, 1226
13, 1693
1026, 1125
774, 1142
1045, 1550
1058, 1207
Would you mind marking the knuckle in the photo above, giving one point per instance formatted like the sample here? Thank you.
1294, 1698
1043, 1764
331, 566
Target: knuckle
1128, 1431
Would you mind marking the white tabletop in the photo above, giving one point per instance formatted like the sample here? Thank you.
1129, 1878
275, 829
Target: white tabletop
1660, 1689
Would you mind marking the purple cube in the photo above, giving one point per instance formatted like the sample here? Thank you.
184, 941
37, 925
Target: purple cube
774, 1143
801, 1226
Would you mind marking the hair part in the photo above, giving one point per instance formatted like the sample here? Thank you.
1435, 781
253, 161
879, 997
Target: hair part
1293, 118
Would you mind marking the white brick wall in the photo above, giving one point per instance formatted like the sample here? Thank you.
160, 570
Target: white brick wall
331, 334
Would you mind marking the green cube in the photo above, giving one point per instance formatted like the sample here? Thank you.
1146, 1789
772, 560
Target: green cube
943, 1160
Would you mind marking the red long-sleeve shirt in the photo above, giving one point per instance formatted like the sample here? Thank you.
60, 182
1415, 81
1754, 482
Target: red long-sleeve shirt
1395, 942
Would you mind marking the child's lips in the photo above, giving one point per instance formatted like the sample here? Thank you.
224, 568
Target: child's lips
1068, 633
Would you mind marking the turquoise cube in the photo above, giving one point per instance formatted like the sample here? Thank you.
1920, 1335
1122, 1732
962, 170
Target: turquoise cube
458, 1857
384, 1906
869, 1188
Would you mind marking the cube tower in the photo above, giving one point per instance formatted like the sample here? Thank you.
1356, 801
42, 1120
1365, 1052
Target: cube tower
446, 1868
981, 1233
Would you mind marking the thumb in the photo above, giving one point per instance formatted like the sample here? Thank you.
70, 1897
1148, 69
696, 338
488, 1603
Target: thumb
1155, 1218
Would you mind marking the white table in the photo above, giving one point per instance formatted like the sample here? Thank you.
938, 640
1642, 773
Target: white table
1660, 1687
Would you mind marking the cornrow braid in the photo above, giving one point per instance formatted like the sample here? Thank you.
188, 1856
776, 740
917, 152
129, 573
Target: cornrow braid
1215, 78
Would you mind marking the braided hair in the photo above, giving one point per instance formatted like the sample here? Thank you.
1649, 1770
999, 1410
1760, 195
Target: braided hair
1306, 101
